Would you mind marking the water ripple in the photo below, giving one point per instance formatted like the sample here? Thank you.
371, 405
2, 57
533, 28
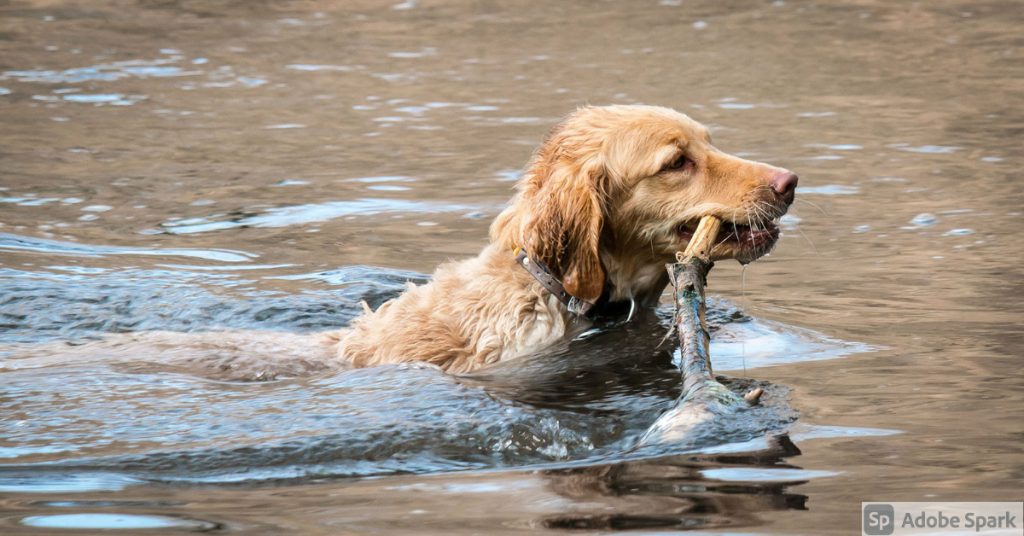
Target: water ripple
105, 72
311, 213
40, 245
185, 427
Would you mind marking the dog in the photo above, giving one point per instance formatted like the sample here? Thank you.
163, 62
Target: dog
610, 196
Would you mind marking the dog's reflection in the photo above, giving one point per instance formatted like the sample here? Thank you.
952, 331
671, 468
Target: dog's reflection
673, 493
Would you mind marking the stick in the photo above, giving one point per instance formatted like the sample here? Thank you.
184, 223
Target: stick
699, 249
703, 398
689, 276
703, 240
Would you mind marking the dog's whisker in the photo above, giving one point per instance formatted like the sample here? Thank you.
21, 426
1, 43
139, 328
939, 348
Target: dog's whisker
809, 242
759, 224
823, 211
735, 230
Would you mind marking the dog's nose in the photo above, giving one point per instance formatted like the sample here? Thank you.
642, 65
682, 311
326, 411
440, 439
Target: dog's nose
784, 184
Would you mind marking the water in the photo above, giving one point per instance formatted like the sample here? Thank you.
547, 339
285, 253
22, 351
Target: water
248, 173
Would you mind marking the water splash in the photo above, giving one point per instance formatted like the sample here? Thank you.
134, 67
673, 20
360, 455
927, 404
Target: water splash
172, 422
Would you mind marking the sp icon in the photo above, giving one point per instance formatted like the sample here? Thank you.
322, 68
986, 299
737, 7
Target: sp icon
878, 520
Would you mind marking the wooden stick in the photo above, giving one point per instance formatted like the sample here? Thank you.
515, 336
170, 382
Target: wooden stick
703, 398
703, 240
689, 276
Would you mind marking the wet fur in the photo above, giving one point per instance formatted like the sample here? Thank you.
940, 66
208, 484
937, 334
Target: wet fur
600, 205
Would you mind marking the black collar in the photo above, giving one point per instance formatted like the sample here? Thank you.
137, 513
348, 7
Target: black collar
547, 280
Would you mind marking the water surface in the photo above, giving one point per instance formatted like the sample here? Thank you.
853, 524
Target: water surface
257, 169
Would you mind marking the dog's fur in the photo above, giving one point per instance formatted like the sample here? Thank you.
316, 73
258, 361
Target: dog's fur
609, 197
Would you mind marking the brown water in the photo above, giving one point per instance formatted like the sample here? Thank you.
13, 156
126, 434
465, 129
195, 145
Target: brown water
199, 166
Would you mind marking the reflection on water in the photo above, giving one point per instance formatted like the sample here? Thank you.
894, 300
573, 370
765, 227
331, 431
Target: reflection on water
102, 73
679, 493
114, 521
53, 482
56, 247
188, 190
303, 214
829, 189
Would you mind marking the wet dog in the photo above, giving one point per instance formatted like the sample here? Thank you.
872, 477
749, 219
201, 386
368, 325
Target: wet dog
609, 197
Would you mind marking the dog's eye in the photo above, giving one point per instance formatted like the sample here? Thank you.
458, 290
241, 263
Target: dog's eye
679, 163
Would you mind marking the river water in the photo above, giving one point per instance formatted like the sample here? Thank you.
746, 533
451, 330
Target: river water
247, 172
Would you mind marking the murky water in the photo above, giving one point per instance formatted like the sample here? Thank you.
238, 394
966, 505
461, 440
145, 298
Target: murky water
262, 167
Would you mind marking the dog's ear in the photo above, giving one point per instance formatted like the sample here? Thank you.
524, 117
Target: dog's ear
558, 215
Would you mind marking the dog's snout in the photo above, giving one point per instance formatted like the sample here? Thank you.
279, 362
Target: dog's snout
784, 184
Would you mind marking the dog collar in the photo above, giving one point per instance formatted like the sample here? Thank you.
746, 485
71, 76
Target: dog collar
551, 283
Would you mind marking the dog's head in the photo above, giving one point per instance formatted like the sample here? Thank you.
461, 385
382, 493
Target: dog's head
614, 192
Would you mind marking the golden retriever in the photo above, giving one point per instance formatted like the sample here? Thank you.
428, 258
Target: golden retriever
609, 197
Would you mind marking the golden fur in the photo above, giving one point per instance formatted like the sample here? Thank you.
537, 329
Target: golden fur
605, 202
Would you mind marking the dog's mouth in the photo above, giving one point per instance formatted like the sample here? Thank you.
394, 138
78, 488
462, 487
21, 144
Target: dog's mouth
744, 243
